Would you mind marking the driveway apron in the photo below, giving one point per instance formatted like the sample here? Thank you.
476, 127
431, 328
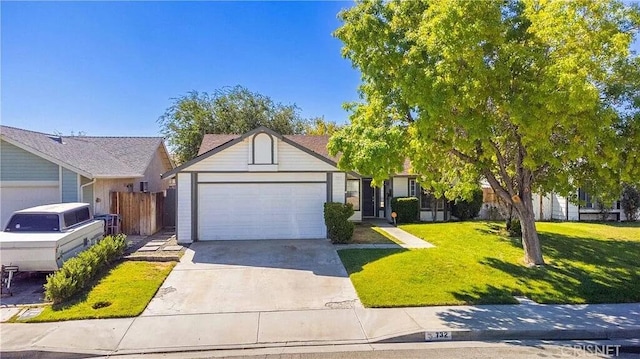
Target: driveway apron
251, 276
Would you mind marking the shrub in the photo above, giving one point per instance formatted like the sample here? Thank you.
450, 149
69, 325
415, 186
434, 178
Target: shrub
467, 209
77, 272
514, 229
407, 209
336, 218
630, 202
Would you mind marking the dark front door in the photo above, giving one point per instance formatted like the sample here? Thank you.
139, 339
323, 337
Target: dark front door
368, 199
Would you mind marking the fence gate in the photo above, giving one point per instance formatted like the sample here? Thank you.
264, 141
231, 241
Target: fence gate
140, 213
169, 208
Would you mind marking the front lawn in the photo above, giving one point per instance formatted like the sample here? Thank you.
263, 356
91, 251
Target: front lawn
124, 291
367, 233
473, 263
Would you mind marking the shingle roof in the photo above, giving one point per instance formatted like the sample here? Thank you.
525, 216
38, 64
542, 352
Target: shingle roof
99, 157
317, 144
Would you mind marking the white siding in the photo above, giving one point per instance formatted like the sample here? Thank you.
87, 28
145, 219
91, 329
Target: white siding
573, 212
357, 216
293, 159
400, 186
338, 187
263, 177
427, 216
184, 208
234, 158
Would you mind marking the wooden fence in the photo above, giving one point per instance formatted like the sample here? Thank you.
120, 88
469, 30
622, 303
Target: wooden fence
140, 213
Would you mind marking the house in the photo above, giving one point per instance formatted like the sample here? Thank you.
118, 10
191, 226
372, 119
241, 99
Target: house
264, 185
38, 168
553, 206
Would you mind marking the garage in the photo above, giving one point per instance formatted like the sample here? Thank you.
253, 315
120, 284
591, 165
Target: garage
20, 197
242, 211
257, 186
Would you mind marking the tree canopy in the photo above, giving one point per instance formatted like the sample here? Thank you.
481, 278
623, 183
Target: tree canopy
533, 96
231, 110
320, 127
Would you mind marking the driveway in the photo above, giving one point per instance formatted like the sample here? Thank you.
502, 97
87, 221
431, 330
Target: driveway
252, 276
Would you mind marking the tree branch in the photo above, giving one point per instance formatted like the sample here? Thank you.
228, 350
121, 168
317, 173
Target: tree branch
503, 170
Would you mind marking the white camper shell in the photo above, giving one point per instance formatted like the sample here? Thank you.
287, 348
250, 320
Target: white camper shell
40, 239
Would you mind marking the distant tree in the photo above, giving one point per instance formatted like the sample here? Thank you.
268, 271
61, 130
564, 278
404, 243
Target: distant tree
320, 127
229, 110
630, 202
533, 96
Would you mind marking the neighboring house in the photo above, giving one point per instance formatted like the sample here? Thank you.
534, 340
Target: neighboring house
263, 185
38, 168
555, 207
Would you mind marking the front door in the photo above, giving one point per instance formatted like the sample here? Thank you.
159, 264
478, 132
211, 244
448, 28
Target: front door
368, 199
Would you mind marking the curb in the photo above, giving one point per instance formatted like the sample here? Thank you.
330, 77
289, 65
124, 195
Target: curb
500, 335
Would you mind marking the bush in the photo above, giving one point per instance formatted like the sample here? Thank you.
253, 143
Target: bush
514, 229
336, 218
467, 209
407, 209
77, 272
630, 202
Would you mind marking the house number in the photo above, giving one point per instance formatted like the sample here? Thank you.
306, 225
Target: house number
433, 336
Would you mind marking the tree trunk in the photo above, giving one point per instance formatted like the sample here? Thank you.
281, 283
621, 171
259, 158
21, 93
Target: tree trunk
530, 240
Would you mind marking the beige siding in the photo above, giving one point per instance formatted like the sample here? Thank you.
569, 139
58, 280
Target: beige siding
293, 159
234, 158
184, 208
102, 192
339, 187
400, 186
263, 177
159, 165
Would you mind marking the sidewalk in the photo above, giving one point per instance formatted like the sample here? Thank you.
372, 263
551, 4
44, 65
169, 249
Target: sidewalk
205, 331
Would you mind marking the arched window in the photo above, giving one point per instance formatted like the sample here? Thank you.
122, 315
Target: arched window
263, 149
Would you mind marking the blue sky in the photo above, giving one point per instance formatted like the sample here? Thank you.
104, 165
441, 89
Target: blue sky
111, 68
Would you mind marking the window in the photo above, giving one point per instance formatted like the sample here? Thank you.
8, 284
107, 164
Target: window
74, 217
412, 187
33, 223
353, 193
585, 198
144, 186
263, 149
426, 199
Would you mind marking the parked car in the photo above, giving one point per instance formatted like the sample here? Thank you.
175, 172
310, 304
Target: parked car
41, 239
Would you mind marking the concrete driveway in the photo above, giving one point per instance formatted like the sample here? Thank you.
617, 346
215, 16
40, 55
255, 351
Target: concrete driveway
252, 276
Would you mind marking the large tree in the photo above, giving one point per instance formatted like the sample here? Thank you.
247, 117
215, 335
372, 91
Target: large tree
230, 110
533, 96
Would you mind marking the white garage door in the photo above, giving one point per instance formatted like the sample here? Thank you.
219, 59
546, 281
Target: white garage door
16, 198
261, 211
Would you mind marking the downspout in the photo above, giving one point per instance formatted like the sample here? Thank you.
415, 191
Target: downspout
93, 181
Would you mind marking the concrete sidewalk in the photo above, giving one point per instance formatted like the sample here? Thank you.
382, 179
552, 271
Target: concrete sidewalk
155, 333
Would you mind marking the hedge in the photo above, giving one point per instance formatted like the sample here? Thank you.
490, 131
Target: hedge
407, 209
77, 272
468, 209
336, 218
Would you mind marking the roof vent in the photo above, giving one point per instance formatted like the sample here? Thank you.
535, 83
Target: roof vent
57, 138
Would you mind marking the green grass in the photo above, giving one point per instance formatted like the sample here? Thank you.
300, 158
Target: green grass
367, 233
474, 263
127, 289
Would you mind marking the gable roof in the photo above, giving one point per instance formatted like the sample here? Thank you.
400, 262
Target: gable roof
312, 144
92, 157
317, 144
